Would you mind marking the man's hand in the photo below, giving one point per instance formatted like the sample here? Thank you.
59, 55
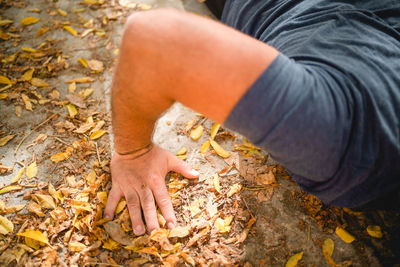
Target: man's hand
142, 181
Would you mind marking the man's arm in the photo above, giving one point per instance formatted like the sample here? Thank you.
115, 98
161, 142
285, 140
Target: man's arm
169, 56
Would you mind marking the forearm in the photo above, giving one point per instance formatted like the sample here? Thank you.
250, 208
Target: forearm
204, 65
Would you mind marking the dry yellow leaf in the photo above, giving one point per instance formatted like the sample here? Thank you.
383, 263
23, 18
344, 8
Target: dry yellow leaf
195, 206
344, 235
59, 157
35, 235
328, 246
32, 170
3, 96
182, 157
18, 176
55, 194
102, 197
62, 12
27, 76
374, 231
222, 226
11, 209
214, 130
27, 102
83, 62
187, 258
6, 226
4, 80
96, 65
149, 250
36, 209
42, 31
18, 111
72, 111
91, 177
180, 231
28, 49
39, 82
181, 151
4, 140
97, 134
220, 151
111, 244
121, 205
292, 262
10, 188
29, 20
216, 184
196, 133
190, 124
81, 80
204, 147
233, 189
45, 201
5, 22
86, 92
76, 246
70, 30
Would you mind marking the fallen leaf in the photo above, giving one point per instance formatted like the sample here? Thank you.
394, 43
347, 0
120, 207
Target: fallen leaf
39, 82
292, 262
216, 184
28, 49
81, 80
62, 12
102, 197
18, 111
180, 231
31, 170
181, 151
196, 133
111, 244
83, 62
4, 140
204, 147
45, 201
374, 231
187, 258
97, 134
149, 250
36, 209
72, 111
5, 22
266, 178
121, 205
70, 30
27, 102
76, 246
223, 226
29, 20
214, 130
27, 76
96, 65
3, 96
42, 31
233, 189
10, 188
35, 235
6, 226
344, 235
18, 176
4, 80
220, 151
327, 249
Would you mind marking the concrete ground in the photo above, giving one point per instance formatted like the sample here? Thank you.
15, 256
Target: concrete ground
288, 222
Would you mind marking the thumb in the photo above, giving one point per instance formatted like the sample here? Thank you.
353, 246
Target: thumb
179, 166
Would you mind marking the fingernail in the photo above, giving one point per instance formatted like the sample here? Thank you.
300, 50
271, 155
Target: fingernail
138, 230
194, 172
171, 225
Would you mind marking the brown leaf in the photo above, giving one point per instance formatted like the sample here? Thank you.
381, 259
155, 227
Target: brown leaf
180, 231
76, 100
117, 233
45, 201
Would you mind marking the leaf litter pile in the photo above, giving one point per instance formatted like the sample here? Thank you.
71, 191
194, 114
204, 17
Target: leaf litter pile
61, 220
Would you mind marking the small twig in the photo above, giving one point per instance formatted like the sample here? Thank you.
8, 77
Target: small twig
104, 264
34, 129
251, 214
98, 154
60, 140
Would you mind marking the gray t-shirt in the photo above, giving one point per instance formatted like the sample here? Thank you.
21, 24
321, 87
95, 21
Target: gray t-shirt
328, 108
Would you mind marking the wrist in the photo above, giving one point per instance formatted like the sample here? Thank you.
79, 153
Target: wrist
135, 153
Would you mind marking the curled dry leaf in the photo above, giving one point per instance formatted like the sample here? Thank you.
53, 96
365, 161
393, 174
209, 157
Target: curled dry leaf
4, 140
6, 226
327, 249
197, 132
18, 176
29, 21
81, 80
96, 65
4, 80
70, 30
10, 188
180, 231
45, 201
38, 82
31, 170
97, 134
27, 76
220, 151
344, 235
35, 208
214, 130
205, 147
234, 189
374, 231
181, 151
76, 246
216, 184
292, 262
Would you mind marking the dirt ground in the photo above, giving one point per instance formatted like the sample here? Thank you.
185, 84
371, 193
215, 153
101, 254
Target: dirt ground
56, 63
